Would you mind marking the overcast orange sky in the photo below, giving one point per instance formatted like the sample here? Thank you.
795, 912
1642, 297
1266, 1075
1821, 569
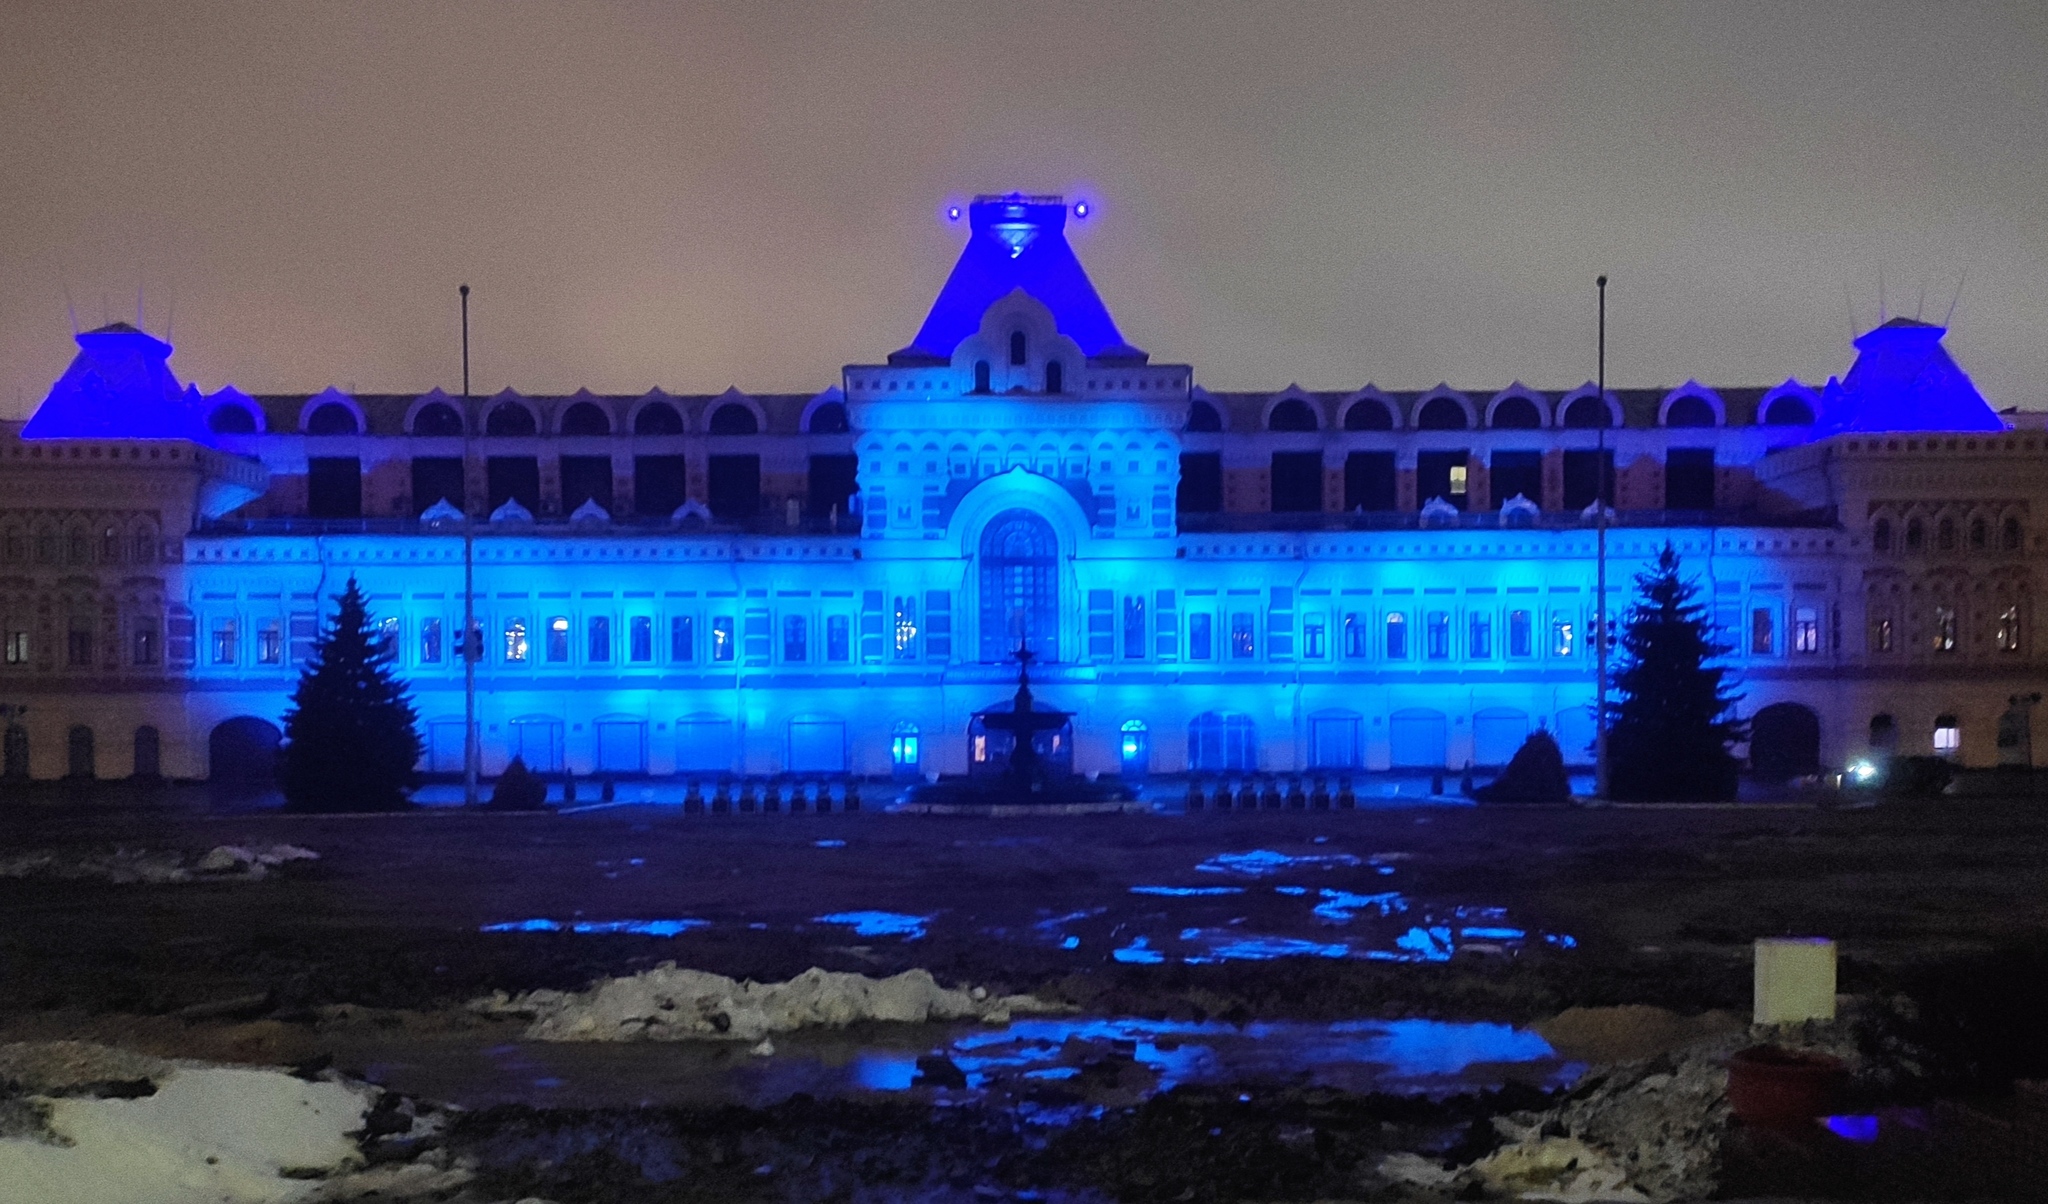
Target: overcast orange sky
699, 195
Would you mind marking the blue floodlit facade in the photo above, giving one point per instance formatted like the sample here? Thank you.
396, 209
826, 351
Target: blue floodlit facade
700, 585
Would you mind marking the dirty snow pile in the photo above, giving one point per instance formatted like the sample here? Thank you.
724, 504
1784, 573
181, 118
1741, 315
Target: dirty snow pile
143, 865
671, 1004
87, 1123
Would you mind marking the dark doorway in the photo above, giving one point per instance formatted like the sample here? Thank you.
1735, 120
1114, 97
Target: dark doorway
830, 483
1201, 483
1297, 482
1369, 480
1689, 477
1784, 742
1516, 474
435, 479
514, 478
78, 758
735, 485
334, 487
14, 753
659, 484
1441, 474
1585, 472
148, 754
586, 479
241, 756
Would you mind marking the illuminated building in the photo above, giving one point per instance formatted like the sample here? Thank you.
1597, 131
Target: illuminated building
706, 584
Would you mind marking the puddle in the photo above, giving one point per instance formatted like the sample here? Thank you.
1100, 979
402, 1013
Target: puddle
601, 927
1264, 863
1025, 1058
879, 923
828, 844
1185, 892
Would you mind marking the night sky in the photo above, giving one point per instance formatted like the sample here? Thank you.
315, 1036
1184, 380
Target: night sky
702, 195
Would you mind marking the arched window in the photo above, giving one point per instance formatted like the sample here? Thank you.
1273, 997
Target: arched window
231, 418
1203, 417
1055, 377
79, 753
1689, 411
1916, 535
509, 418
1980, 535
585, 418
1221, 741
1788, 411
333, 418
1441, 414
1017, 348
46, 546
658, 418
145, 546
981, 376
110, 545
1019, 573
148, 753
1366, 414
1588, 413
1517, 414
437, 418
1881, 535
1135, 749
732, 418
2009, 539
80, 549
1948, 736
1945, 535
1291, 415
828, 419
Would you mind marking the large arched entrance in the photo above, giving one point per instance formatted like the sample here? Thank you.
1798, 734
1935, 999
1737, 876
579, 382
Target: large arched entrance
1020, 591
1784, 742
241, 755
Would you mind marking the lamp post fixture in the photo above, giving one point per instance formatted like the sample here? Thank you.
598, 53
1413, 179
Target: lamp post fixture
470, 641
1600, 569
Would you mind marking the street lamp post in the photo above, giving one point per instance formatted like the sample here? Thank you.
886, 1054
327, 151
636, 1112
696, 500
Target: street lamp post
1600, 570
469, 633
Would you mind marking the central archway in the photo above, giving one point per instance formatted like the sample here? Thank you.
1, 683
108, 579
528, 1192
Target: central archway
1784, 742
242, 755
1020, 592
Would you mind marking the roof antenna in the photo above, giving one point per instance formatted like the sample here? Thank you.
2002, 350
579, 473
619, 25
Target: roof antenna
71, 308
1849, 304
1921, 304
1952, 300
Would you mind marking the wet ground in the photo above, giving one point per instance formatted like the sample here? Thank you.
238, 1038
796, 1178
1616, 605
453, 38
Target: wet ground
1207, 955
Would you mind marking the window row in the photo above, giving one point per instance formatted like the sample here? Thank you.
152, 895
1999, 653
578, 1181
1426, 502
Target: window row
1297, 480
1946, 534
78, 545
517, 418
1945, 628
1512, 411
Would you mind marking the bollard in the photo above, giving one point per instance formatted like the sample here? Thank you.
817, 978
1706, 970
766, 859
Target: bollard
610, 791
568, 789
797, 804
1347, 800
852, 794
721, 799
1319, 798
821, 802
1248, 795
1795, 980
771, 799
1194, 802
1296, 800
1269, 798
747, 797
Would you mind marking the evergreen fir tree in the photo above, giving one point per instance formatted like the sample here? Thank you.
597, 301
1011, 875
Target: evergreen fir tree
1669, 732
351, 743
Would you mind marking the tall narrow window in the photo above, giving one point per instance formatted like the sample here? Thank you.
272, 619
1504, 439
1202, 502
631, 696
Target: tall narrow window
515, 641
270, 643
1805, 630
600, 639
1397, 636
1521, 633
1019, 577
146, 642
1479, 636
1564, 636
904, 627
1881, 633
224, 641
1201, 636
17, 646
1437, 635
1242, 638
981, 376
1881, 535
1944, 629
2009, 629
1763, 635
558, 640
1055, 377
78, 642
1312, 641
1357, 636
430, 641
796, 639
722, 645
1134, 627
640, 639
1017, 348
682, 639
838, 638
1948, 736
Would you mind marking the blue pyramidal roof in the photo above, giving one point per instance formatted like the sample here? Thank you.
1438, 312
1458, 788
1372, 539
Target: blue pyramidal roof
1904, 380
119, 387
1018, 242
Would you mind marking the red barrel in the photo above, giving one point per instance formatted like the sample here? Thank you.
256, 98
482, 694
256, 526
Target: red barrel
1773, 1087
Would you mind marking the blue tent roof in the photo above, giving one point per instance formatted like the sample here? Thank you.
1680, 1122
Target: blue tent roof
119, 387
1904, 380
1014, 242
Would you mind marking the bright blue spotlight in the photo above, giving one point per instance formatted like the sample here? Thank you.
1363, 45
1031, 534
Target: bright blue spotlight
952, 213
1081, 209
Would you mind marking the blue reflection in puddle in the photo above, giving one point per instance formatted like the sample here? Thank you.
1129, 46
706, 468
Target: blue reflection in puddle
1184, 892
1264, 863
828, 844
1860, 1129
879, 923
1138, 952
663, 928
1343, 906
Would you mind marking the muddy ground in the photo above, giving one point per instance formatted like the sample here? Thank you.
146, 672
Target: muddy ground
1609, 906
